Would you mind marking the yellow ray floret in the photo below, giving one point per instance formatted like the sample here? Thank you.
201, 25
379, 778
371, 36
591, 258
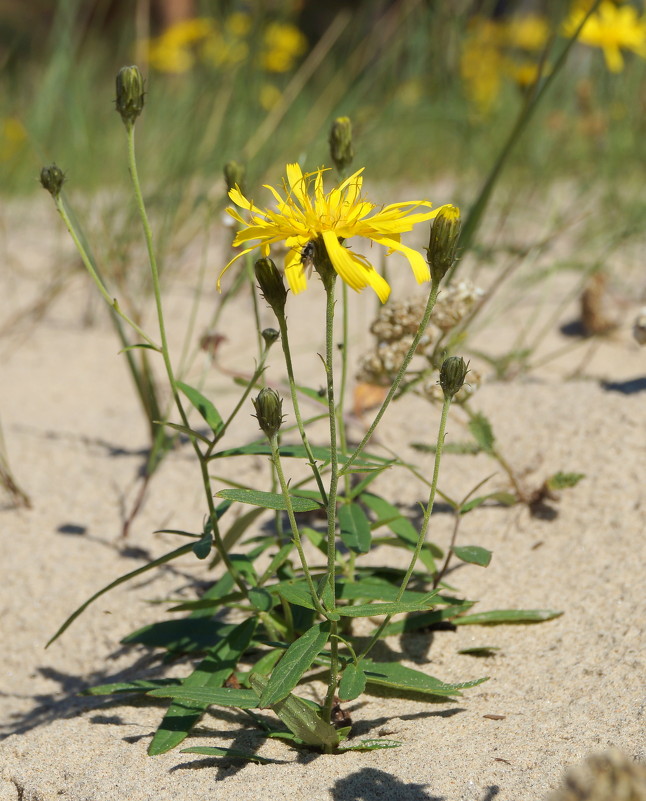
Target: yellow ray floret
305, 213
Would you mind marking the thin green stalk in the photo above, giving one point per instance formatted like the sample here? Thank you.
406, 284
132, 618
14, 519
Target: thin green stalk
132, 167
90, 267
435, 287
340, 408
334, 459
334, 673
275, 456
424, 527
284, 339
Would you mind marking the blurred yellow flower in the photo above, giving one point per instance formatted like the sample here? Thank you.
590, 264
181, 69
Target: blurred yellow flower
613, 29
307, 214
283, 45
12, 135
481, 63
269, 96
526, 31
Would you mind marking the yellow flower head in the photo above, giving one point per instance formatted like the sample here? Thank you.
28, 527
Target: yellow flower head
307, 214
611, 28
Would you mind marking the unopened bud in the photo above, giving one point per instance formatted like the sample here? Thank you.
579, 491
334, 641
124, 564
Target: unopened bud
445, 232
234, 175
271, 285
452, 374
269, 411
270, 335
341, 148
52, 179
130, 94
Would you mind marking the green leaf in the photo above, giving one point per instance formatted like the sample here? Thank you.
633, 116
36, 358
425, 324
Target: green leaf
138, 346
393, 608
219, 696
204, 407
296, 593
370, 745
212, 671
396, 676
504, 498
353, 683
319, 395
268, 500
420, 621
373, 588
230, 753
391, 517
155, 563
480, 650
185, 430
137, 686
262, 448
261, 599
300, 718
355, 528
482, 432
473, 554
561, 481
470, 448
499, 616
202, 548
295, 661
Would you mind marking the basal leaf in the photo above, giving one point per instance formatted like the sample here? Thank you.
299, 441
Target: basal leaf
300, 718
353, 683
295, 661
499, 616
230, 753
212, 671
137, 686
155, 563
561, 481
219, 696
204, 407
355, 528
473, 554
268, 500
396, 676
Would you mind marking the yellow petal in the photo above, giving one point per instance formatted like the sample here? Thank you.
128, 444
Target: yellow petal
294, 271
415, 259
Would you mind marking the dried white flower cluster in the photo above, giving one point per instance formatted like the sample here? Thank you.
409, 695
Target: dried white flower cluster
605, 777
397, 323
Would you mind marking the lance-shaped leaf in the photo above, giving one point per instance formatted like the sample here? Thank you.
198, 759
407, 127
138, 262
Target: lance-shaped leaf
482, 432
353, 682
230, 753
392, 608
204, 407
355, 528
500, 616
295, 661
219, 696
268, 500
300, 718
212, 671
473, 554
399, 677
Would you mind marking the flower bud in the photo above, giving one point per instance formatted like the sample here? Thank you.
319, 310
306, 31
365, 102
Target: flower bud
452, 374
445, 232
52, 179
269, 411
270, 335
234, 175
130, 94
341, 148
271, 285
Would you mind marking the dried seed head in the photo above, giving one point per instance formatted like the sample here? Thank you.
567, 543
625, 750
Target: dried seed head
234, 175
130, 94
445, 232
269, 411
452, 374
271, 285
341, 148
52, 179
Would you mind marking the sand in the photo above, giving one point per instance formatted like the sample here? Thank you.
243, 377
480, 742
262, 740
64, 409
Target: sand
76, 440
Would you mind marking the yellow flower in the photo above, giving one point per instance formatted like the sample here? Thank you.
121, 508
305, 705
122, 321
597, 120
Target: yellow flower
307, 214
611, 28
526, 31
283, 44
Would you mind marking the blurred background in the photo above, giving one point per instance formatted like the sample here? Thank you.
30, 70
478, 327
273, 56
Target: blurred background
432, 88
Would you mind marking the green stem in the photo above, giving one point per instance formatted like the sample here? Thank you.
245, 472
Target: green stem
424, 527
334, 461
343, 441
90, 267
275, 456
217, 538
284, 339
435, 287
334, 673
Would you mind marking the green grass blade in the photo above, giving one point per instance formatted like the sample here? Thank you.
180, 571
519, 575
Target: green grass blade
500, 616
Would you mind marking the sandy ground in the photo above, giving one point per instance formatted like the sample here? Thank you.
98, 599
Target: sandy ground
76, 441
